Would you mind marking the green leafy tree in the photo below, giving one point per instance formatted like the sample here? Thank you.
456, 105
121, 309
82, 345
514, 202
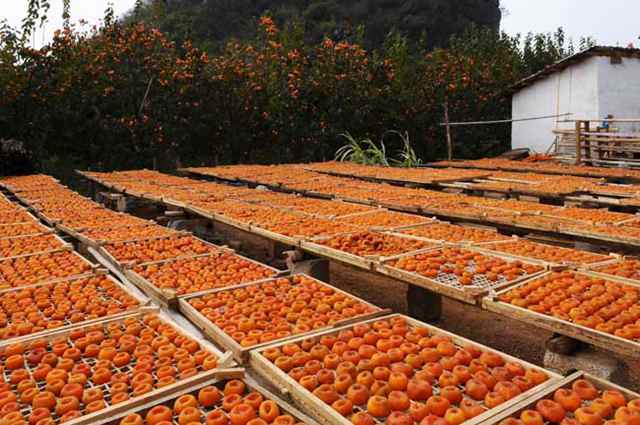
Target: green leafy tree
128, 95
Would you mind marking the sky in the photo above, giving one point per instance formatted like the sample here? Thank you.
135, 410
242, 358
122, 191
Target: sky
91, 11
610, 22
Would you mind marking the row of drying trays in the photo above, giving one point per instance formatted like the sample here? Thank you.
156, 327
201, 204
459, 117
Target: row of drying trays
491, 294
617, 228
263, 359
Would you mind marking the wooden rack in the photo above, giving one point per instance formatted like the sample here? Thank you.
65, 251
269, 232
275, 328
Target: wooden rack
217, 335
319, 409
582, 333
598, 146
547, 393
217, 378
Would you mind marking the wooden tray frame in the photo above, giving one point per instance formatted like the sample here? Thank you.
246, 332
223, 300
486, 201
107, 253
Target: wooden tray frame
241, 354
483, 248
611, 277
557, 227
471, 295
400, 182
224, 362
31, 217
64, 227
142, 303
53, 222
465, 243
78, 235
590, 336
584, 222
46, 231
601, 236
327, 415
527, 192
101, 242
173, 203
138, 313
102, 249
336, 255
221, 218
323, 216
167, 297
286, 240
64, 246
547, 392
401, 208
367, 263
424, 220
210, 378
191, 209
176, 233
93, 266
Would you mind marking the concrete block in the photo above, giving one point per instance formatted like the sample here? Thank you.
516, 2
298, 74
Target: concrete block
121, 204
179, 224
383, 291
318, 269
589, 360
235, 245
423, 304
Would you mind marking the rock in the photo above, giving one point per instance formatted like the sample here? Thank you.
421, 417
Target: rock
318, 268
560, 344
598, 363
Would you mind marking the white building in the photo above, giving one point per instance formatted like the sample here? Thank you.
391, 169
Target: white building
590, 85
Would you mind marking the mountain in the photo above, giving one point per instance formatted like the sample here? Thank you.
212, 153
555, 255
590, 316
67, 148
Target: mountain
211, 22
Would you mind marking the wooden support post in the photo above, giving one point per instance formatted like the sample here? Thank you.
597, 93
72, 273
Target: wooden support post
92, 189
121, 204
587, 140
448, 127
423, 304
578, 142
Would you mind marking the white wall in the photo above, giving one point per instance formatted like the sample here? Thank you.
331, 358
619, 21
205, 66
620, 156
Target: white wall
619, 90
573, 90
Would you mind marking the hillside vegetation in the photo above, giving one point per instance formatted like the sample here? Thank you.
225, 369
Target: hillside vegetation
428, 22
130, 95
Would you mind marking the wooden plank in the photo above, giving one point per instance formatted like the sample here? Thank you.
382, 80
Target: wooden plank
602, 237
286, 240
310, 402
414, 279
167, 297
470, 295
103, 249
547, 393
590, 336
241, 353
336, 255
64, 246
611, 277
114, 414
486, 249
142, 303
